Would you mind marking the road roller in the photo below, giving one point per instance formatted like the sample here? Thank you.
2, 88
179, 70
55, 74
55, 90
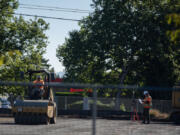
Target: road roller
33, 109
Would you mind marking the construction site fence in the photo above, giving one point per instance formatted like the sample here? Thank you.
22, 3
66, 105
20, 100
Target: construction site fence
108, 104
96, 104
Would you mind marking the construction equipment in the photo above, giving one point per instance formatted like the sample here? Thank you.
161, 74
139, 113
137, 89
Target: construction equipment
36, 111
175, 115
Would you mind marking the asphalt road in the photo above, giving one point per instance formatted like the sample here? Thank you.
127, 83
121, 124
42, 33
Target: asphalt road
75, 126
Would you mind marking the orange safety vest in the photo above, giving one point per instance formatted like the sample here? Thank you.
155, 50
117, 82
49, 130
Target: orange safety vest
39, 82
147, 102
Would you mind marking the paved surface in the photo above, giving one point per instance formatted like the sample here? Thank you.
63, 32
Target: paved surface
74, 126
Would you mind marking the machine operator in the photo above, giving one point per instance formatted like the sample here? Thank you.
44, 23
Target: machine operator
38, 90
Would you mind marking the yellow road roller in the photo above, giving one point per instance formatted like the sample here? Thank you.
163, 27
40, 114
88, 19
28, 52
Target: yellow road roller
35, 109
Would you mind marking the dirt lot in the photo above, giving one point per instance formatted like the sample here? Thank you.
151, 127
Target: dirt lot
75, 126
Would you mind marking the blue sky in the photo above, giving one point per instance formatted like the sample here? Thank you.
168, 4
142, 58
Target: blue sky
59, 29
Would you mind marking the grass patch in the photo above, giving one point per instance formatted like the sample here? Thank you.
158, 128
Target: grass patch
100, 105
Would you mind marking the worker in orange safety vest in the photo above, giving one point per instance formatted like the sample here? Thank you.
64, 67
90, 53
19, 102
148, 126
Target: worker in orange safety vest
39, 81
38, 90
147, 104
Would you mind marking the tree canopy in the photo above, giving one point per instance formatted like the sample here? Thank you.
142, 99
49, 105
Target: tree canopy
125, 41
22, 45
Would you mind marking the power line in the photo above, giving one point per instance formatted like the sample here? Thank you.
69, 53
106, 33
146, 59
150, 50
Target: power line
48, 17
70, 9
49, 9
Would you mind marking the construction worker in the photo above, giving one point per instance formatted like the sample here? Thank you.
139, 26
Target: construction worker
147, 103
38, 90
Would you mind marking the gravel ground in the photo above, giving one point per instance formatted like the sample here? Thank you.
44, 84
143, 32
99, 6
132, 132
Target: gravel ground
75, 126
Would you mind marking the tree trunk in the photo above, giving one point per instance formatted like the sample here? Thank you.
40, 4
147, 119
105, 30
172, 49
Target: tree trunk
123, 75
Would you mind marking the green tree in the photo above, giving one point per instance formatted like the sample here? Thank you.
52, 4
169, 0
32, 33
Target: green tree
6, 9
13, 65
22, 45
18, 34
122, 42
173, 33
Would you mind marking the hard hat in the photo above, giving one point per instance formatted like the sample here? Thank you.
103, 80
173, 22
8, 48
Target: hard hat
39, 77
145, 92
